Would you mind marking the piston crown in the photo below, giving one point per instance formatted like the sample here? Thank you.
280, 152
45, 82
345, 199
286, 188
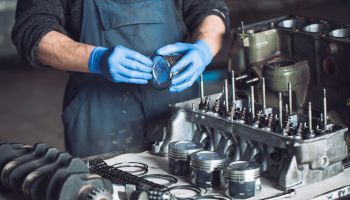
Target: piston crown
208, 160
183, 149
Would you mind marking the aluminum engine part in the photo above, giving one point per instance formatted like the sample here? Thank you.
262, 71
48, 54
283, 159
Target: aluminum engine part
288, 159
322, 45
179, 156
280, 71
207, 168
243, 179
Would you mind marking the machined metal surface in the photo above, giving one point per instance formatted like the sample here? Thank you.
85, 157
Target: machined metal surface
208, 160
292, 59
243, 179
242, 171
317, 51
183, 149
207, 168
179, 156
289, 160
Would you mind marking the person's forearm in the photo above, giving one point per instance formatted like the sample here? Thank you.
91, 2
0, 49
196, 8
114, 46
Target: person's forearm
59, 51
212, 31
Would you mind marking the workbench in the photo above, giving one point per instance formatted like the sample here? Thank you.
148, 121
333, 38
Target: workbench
159, 165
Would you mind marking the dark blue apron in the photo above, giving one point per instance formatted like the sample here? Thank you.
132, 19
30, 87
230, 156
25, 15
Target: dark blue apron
100, 116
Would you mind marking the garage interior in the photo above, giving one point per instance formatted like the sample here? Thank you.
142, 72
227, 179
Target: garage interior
31, 99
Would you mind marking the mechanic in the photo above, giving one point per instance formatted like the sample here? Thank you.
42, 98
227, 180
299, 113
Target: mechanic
106, 46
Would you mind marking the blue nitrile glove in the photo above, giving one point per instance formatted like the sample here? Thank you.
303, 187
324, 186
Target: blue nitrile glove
196, 57
120, 64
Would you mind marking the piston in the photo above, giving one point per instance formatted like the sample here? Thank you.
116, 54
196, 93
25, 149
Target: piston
161, 70
207, 168
179, 156
243, 179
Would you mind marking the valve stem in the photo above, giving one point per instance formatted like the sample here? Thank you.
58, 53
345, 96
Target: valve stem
226, 96
242, 27
280, 104
252, 101
263, 94
202, 88
233, 88
310, 118
290, 97
325, 109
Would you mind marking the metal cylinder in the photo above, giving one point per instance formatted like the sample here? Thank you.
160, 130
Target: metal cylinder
290, 96
226, 96
280, 111
207, 168
242, 77
253, 80
179, 156
243, 179
310, 117
233, 87
325, 108
242, 27
202, 87
252, 101
264, 94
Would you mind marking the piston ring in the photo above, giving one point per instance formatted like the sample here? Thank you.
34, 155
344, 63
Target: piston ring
213, 197
170, 179
192, 188
141, 167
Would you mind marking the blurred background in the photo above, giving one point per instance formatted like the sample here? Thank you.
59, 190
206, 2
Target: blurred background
31, 99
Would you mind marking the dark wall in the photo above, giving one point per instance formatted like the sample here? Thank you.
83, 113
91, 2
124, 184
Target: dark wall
247, 10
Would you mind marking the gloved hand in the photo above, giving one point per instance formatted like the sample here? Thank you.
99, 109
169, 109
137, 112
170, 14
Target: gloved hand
120, 64
196, 57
